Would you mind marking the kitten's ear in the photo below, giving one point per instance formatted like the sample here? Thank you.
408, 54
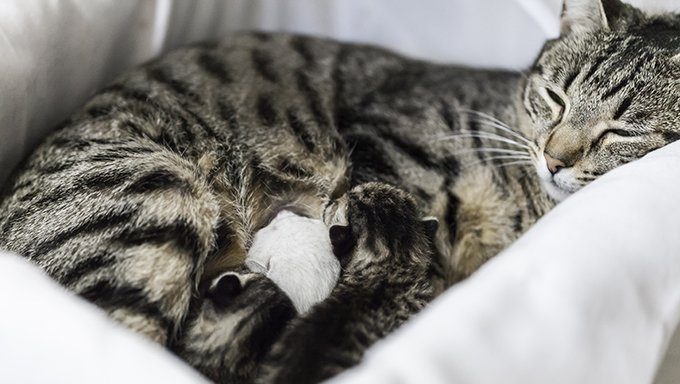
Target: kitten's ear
580, 16
431, 226
225, 289
342, 240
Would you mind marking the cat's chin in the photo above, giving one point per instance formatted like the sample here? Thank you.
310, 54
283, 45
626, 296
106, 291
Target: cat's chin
554, 191
552, 186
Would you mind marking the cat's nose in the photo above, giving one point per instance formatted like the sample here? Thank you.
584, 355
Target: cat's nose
553, 164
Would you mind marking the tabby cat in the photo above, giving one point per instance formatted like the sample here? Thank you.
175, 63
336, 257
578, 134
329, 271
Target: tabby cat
158, 184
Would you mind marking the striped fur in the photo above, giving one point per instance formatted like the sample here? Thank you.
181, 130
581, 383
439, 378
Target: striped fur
386, 279
231, 332
161, 180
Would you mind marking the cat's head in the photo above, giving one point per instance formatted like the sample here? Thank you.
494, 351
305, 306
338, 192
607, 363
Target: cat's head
376, 223
604, 93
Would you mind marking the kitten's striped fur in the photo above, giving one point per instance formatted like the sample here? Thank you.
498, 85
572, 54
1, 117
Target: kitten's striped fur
230, 334
386, 280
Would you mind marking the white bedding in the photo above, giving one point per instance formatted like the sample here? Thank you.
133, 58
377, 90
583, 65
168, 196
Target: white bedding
48, 335
589, 295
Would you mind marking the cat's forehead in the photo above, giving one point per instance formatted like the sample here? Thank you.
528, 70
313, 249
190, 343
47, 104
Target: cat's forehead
656, 41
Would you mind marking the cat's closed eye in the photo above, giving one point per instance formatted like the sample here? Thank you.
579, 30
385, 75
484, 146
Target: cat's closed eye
555, 97
614, 132
544, 103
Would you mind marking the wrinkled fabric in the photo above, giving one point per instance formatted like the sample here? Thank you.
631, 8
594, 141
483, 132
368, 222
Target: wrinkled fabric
48, 335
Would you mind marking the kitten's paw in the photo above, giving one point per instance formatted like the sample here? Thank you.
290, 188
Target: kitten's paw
376, 221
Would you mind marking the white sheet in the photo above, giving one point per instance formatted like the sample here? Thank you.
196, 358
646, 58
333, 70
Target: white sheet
49, 336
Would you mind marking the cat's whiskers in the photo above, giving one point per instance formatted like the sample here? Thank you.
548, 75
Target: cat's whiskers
506, 157
487, 119
493, 150
483, 135
505, 129
511, 163
495, 158
520, 151
483, 115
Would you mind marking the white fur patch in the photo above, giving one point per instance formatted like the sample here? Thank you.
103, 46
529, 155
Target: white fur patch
295, 253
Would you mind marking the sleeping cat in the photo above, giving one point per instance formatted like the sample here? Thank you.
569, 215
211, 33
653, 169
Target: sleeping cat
158, 184
385, 280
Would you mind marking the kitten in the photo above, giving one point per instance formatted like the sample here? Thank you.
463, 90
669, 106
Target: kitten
387, 253
235, 326
295, 253
384, 281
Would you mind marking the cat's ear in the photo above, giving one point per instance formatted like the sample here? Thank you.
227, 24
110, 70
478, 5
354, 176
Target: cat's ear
431, 225
595, 15
342, 241
225, 288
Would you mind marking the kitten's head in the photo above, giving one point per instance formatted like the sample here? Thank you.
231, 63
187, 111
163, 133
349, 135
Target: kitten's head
375, 222
604, 93
240, 317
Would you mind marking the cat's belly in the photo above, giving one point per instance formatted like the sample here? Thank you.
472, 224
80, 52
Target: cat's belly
261, 210
486, 221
